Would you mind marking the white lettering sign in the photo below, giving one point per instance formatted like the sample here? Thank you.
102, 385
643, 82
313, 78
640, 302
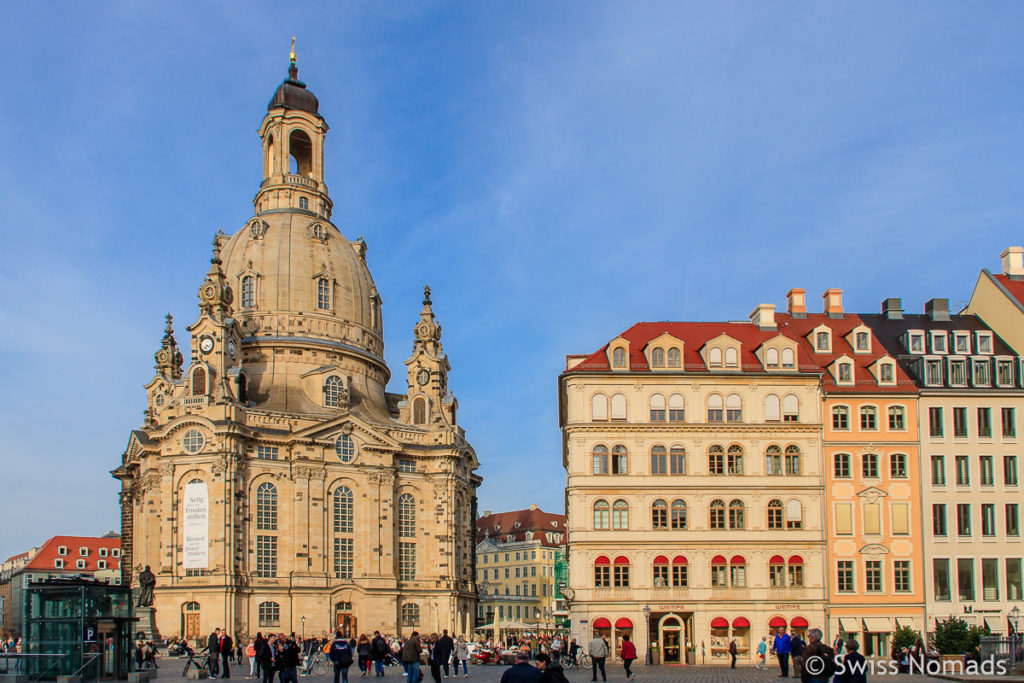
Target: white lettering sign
196, 526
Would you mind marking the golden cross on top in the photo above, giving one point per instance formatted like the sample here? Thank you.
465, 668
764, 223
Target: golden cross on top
291, 55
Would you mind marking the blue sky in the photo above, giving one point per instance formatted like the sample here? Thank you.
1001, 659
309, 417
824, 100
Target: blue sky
556, 171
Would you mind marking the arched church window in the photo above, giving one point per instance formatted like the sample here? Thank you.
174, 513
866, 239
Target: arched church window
193, 441
332, 391
243, 395
300, 149
419, 411
248, 291
343, 510
198, 382
406, 516
266, 507
323, 294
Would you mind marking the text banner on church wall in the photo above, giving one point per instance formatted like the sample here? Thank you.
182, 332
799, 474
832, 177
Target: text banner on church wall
196, 526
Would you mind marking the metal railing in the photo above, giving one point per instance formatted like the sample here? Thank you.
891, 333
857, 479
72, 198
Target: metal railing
29, 664
1009, 649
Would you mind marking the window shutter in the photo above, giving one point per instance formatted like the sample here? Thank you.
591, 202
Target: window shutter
844, 519
872, 520
901, 519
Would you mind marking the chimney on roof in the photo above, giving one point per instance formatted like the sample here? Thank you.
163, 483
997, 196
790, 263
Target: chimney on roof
937, 309
764, 316
1013, 262
833, 299
533, 507
892, 308
795, 305
487, 513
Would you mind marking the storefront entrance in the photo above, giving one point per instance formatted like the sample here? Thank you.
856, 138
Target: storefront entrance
672, 639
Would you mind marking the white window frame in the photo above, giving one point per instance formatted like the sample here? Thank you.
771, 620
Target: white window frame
909, 343
924, 370
950, 360
978, 336
103, 552
58, 563
939, 334
987, 360
79, 564
995, 376
957, 336
828, 339
889, 364
115, 552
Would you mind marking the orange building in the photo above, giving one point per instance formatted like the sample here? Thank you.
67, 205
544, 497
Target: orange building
871, 458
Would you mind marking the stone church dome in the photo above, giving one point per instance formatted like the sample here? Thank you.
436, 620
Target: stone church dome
293, 94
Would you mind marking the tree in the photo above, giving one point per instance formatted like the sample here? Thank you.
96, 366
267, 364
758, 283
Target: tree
954, 637
904, 637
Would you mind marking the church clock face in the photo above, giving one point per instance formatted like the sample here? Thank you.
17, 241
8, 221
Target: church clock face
424, 330
206, 344
423, 377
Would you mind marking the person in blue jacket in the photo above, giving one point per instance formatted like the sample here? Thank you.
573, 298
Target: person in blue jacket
781, 647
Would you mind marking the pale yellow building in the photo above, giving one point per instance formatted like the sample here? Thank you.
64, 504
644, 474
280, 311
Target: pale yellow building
275, 485
516, 554
695, 487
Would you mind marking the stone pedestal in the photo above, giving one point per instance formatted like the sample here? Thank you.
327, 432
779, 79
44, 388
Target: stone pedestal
146, 623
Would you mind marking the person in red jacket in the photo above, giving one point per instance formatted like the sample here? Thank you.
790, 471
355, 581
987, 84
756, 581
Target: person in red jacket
628, 654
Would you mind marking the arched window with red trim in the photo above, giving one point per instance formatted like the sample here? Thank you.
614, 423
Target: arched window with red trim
602, 623
796, 571
776, 622
737, 571
719, 572
777, 572
602, 572
680, 575
660, 571
620, 572
719, 623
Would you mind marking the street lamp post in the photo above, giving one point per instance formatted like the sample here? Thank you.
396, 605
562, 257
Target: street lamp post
303, 628
1015, 616
647, 621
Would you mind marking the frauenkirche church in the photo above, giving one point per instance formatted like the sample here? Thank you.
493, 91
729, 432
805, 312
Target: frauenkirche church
276, 485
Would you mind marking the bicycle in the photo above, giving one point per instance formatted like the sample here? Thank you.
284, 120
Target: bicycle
316, 664
581, 661
200, 661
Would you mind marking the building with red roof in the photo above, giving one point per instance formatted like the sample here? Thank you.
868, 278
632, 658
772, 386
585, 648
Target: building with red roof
517, 552
97, 558
694, 486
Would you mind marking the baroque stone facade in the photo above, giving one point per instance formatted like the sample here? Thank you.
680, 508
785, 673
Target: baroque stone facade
316, 499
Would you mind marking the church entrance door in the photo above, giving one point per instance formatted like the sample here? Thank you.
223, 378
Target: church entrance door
190, 619
345, 620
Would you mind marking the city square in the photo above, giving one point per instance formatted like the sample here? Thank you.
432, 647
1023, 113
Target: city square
591, 418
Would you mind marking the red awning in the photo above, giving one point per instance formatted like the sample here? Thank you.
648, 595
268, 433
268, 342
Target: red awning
718, 559
678, 559
621, 560
777, 622
661, 559
796, 559
776, 559
737, 559
602, 623
602, 560
623, 622
719, 622
798, 622
740, 622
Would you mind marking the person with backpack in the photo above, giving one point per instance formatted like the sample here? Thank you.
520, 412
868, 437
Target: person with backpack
341, 654
379, 651
818, 662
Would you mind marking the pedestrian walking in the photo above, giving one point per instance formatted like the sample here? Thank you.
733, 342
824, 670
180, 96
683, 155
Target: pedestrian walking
461, 654
411, 657
628, 654
598, 651
265, 657
363, 655
819, 660
445, 647
341, 654
796, 652
379, 650
733, 651
227, 648
854, 665
781, 649
762, 651
213, 650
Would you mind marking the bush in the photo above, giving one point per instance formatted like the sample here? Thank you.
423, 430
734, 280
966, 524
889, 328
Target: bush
904, 637
954, 637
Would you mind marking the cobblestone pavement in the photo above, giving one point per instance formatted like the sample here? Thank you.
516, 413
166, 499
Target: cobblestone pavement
171, 669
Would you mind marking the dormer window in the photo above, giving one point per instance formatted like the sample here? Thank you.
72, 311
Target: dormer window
658, 358
958, 372
80, 564
822, 342
103, 552
619, 358
862, 342
115, 552
323, 294
1004, 373
846, 373
674, 358
58, 563
980, 373
715, 357
984, 342
732, 358
83, 551
915, 342
938, 342
62, 550
771, 358
933, 372
102, 564
886, 373
788, 358
962, 342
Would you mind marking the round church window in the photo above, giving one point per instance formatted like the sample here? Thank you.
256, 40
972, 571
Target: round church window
193, 441
345, 447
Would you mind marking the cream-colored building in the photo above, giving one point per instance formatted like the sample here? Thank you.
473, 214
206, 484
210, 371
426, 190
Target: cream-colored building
516, 554
998, 298
276, 484
695, 487
971, 396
